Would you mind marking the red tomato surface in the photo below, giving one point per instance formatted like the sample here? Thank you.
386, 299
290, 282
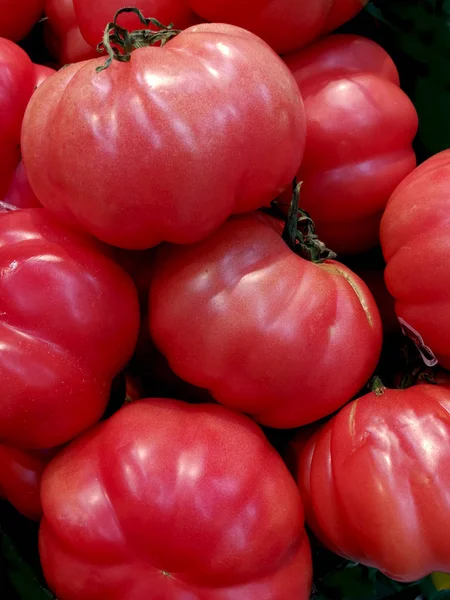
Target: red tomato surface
284, 24
18, 17
20, 478
360, 126
172, 501
376, 483
267, 332
41, 73
374, 279
415, 236
19, 194
226, 132
69, 322
62, 33
94, 17
16, 68
17, 83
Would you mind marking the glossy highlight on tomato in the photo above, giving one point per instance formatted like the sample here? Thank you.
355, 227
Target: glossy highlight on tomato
267, 332
69, 319
171, 501
376, 484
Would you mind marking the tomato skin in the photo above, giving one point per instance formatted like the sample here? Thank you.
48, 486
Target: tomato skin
18, 18
283, 24
19, 194
69, 324
415, 240
281, 348
221, 129
375, 481
166, 488
17, 81
374, 279
94, 17
63, 35
360, 127
20, 478
15, 190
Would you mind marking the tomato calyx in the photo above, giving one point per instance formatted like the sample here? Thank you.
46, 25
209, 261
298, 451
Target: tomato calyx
300, 232
377, 386
119, 43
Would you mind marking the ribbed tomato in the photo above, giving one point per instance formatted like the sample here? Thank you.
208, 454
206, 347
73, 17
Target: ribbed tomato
376, 484
136, 150
172, 501
69, 320
415, 237
267, 332
360, 127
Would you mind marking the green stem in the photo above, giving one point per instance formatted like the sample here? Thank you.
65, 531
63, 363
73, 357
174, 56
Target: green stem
376, 386
119, 43
300, 232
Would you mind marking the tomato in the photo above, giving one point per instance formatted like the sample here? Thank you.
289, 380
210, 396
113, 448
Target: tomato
17, 82
283, 24
17, 18
20, 478
360, 126
376, 483
69, 322
244, 129
264, 330
415, 238
62, 33
18, 79
169, 500
94, 17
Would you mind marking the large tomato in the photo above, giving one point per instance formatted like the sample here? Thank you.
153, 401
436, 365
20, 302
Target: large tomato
93, 17
168, 145
20, 478
376, 483
360, 126
415, 236
18, 17
172, 501
69, 322
284, 24
62, 33
266, 331
17, 83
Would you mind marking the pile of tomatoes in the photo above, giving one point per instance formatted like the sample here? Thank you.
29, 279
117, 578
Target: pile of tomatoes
183, 186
